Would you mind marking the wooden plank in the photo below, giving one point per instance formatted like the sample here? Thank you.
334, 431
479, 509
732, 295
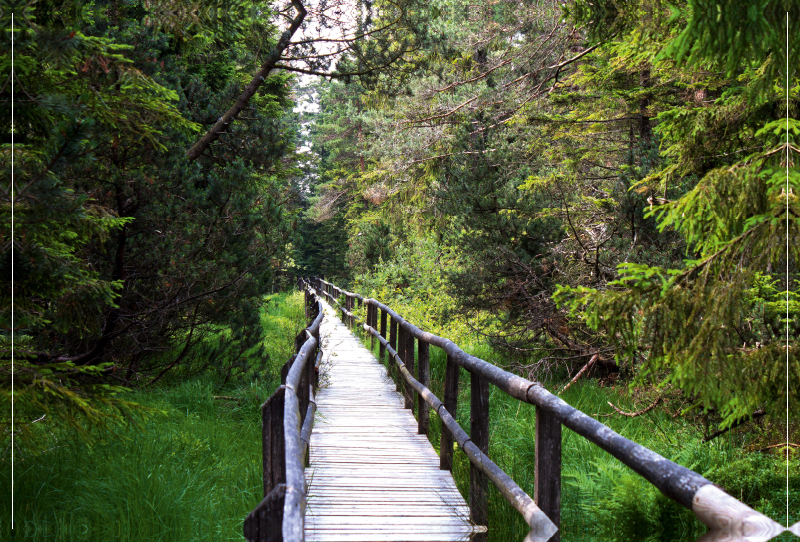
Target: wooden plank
372, 475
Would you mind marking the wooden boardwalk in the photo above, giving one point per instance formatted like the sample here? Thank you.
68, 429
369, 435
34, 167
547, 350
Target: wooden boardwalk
371, 476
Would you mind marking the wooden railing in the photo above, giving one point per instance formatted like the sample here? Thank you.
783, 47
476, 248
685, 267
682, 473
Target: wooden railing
287, 419
728, 518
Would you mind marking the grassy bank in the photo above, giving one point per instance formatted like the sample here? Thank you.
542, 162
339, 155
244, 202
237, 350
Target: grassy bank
192, 472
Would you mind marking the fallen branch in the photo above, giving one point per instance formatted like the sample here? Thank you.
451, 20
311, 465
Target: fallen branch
583, 370
779, 445
631, 414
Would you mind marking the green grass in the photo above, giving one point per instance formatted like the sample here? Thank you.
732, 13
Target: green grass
190, 473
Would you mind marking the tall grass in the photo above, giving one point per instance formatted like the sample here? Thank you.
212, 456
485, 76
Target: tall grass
192, 472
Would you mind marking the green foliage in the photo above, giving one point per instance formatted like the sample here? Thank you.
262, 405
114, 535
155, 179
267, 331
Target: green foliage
129, 261
190, 471
691, 324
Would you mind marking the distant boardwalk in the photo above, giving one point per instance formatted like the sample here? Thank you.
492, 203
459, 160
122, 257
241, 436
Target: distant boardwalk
371, 476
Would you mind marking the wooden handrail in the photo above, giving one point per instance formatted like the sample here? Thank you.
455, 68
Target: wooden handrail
287, 423
710, 504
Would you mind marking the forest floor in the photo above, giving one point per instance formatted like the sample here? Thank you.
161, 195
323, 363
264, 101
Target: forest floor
193, 471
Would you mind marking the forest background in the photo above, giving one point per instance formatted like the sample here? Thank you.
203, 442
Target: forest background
607, 188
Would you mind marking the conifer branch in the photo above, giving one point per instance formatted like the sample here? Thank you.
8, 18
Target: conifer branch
227, 119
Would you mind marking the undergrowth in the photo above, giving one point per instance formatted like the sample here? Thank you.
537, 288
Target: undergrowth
191, 472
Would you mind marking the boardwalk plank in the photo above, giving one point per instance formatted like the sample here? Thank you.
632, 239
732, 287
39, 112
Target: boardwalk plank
371, 477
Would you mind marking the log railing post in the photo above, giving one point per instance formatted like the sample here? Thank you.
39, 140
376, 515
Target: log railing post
451, 405
409, 361
401, 352
393, 344
372, 312
424, 377
382, 349
368, 321
547, 468
479, 435
273, 444
264, 524
345, 318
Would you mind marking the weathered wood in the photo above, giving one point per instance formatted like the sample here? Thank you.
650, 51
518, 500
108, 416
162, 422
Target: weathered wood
308, 426
392, 344
451, 378
272, 441
382, 348
424, 377
675, 481
372, 476
541, 527
401, 351
547, 468
479, 435
374, 324
409, 361
721, 512
264, 523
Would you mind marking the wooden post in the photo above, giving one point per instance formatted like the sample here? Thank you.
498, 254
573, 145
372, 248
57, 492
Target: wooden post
373, 323
479, 435
409, 361
345, 318
273, 447
451, 405
424, 377
401, 351
264, 524
393, 344
547, 468
382, 349
285, 368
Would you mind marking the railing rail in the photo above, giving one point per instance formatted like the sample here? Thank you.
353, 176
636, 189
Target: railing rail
287, 419
710, 504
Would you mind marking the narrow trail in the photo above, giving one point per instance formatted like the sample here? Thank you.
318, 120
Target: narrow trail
371, 476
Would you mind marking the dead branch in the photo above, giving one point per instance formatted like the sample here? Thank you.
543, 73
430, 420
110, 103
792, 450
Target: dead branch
583, 370
632, 414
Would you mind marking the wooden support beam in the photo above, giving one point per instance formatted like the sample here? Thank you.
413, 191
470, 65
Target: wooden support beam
401, 352
424, 377
409, 361
265, 523
393, 345
547, 468
382, 348
272, 440
451, 405
479, 435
